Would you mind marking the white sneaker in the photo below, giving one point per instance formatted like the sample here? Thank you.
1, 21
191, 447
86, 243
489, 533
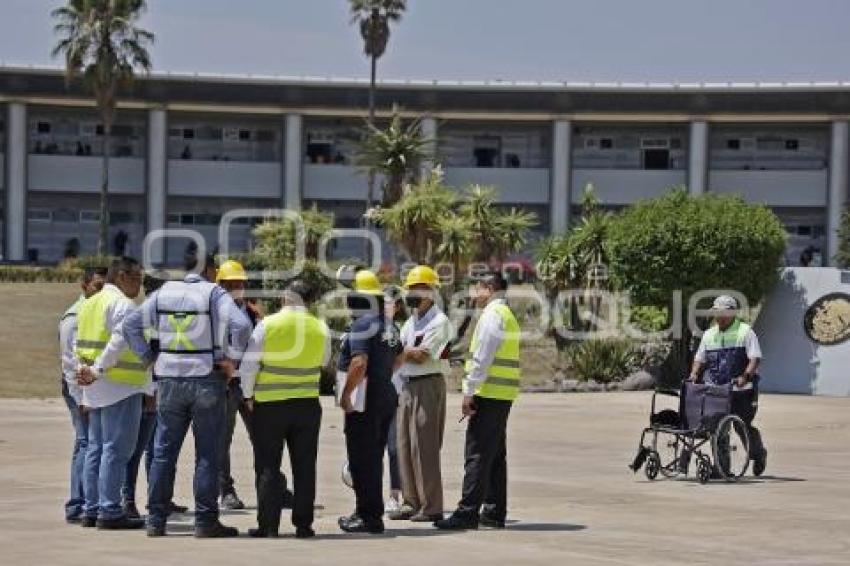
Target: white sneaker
393, 505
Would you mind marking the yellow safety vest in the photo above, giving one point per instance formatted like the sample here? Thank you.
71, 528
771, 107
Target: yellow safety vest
293, 352
93, 335
503, 375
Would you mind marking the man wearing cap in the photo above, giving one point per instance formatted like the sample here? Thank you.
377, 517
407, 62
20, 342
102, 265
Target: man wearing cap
729, 352
369, 352
421, 418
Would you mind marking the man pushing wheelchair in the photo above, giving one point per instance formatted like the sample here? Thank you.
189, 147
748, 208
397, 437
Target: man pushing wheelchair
729, 352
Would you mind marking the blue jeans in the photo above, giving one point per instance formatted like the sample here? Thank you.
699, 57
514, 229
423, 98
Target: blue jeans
143, 446
113, 433
77, 499
199, 402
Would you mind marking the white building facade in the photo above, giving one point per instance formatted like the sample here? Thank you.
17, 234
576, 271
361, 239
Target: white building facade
188, 149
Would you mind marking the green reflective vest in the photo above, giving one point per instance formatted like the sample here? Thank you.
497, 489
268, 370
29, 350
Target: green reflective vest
293, 352
93, 335
503, 375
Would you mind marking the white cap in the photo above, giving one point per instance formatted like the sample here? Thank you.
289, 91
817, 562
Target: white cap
724, 303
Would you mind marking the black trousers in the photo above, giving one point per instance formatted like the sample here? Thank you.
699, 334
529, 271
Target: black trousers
365, 442
235, 404
745, 405
294, 423
485, 479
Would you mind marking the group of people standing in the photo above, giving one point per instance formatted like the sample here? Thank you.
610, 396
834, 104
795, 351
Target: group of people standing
196, 352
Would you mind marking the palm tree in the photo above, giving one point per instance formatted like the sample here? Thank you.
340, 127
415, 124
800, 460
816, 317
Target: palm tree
374, 17
456, 245
102, 44
480, 213
396, 153
415, 221
512, 228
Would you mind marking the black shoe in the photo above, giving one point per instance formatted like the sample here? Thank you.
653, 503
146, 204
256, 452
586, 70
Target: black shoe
88, 522
74, 520
262, 533
456, 523
231, 502
130, 510
216, 530
304, 532
491, 521
760, 463
356, 524
288, 499
119, 524
156, 531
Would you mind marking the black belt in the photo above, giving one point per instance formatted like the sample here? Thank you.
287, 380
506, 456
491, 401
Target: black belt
412, 378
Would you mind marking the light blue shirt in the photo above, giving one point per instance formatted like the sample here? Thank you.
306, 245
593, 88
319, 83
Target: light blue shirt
236, 324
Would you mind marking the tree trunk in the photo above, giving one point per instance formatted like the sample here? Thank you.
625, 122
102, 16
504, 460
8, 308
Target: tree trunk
370, 196
103, 233
372, 87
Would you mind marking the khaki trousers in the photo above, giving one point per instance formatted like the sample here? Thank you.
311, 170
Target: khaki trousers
421, 420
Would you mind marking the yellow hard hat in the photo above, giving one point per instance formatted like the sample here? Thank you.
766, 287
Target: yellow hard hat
367, 282
422, 274
231, 270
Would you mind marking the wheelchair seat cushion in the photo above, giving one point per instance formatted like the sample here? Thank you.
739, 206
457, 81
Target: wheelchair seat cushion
667, 417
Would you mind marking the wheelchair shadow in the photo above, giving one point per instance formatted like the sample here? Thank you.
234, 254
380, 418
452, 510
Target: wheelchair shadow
772, 479
745, 481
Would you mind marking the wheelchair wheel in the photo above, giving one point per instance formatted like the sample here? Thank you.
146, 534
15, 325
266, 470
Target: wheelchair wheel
703, 471
730, 445
652, 466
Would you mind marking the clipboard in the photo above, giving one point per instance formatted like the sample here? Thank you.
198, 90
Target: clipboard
358, 396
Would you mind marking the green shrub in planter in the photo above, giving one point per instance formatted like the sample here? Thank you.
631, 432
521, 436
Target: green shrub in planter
604, 360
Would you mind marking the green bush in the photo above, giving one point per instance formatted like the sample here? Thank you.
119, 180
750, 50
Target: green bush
603, 360
649, 319
30, 274
687, 243
842, 257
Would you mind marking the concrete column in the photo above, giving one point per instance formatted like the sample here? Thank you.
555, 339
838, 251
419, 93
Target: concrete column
698, 158
561, 170
429, 132
837, 192
16, 182
292, 160
157, 175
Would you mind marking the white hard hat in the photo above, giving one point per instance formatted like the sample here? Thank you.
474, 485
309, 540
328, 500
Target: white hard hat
724, 303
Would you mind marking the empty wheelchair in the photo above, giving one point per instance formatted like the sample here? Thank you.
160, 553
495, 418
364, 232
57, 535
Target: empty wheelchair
703, 428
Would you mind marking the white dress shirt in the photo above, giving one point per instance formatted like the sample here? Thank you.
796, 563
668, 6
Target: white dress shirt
67, 357
431, 332
252, 359
490, 333
105, 392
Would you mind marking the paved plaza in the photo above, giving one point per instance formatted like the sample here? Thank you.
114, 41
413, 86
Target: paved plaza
572, 499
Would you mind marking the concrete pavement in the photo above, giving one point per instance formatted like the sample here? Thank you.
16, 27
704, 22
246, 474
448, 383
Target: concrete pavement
572, 500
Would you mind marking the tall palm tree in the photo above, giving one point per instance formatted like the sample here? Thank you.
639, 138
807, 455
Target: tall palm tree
396, 153
374, 17
103, 45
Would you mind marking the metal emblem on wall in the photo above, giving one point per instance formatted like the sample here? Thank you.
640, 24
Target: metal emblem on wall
827, 320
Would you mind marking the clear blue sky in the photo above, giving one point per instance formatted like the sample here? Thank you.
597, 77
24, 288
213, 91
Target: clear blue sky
656, 40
